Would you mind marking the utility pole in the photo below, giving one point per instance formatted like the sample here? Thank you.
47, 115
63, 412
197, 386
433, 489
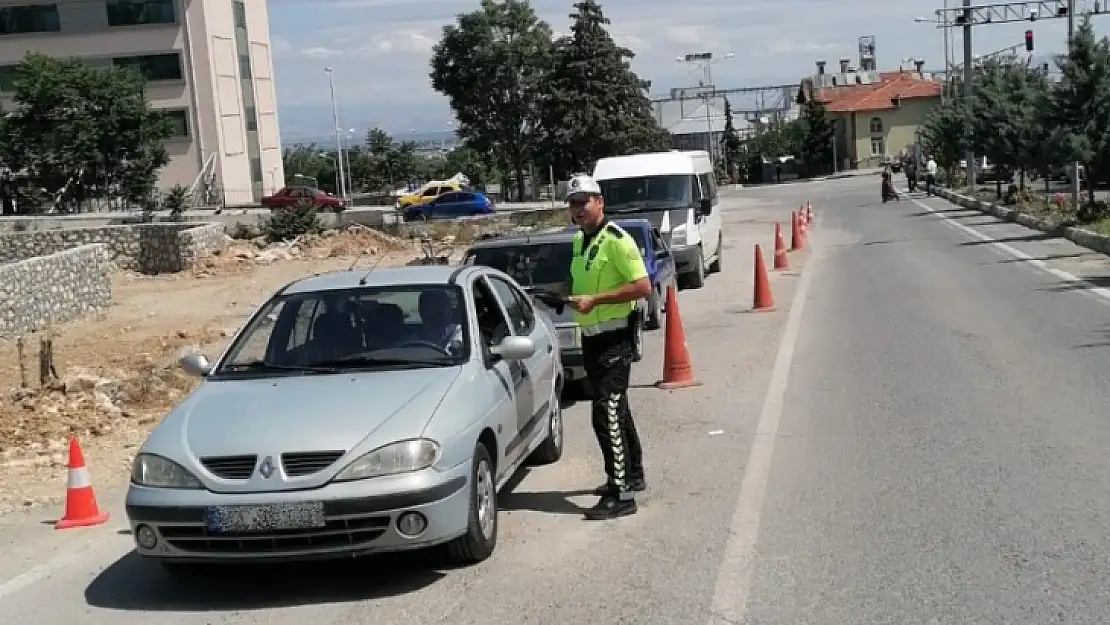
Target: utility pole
1075, 165
969, 118
339, 168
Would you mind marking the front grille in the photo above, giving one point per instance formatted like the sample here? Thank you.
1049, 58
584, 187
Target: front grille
230, 467
339, 532
302, 463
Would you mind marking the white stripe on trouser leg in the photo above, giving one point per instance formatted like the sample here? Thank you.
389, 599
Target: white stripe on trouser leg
79, 478
616, 440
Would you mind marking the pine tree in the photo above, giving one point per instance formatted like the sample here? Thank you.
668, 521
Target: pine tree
817, 145
731, 141
595, 105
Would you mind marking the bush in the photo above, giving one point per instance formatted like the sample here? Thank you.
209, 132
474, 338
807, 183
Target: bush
285, 224
176, 201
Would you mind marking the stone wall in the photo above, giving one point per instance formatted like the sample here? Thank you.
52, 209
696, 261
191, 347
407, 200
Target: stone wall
146, 248
53, 289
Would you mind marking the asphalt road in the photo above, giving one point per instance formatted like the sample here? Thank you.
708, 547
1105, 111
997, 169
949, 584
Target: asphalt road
916, 435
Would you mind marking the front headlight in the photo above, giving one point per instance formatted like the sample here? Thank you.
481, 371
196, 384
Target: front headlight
678, 236
570, 337
157, 472
399, 457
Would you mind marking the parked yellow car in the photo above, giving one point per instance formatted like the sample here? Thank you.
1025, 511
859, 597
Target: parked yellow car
428, 192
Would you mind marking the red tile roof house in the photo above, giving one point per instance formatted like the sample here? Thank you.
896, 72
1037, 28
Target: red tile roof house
878, 113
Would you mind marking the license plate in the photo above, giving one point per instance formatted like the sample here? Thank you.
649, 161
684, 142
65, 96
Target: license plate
265, 518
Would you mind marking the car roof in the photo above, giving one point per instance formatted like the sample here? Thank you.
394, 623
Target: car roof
654, 164
385, 276
537, 238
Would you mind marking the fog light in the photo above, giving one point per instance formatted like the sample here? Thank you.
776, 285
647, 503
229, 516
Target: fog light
412, 524
145, 536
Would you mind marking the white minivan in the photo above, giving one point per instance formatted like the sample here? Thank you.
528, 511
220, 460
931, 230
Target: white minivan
677, 192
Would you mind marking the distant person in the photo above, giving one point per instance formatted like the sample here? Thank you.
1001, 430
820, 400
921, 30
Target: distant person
930, 175
778, 173
911, 174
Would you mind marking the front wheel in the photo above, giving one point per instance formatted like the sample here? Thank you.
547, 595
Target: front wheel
551, 450
715, 266
655, 311
696, 279
481, 524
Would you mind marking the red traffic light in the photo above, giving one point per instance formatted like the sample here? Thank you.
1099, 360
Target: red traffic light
1029, 40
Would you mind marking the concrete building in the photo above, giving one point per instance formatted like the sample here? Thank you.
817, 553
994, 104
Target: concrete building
207, 62
877, 113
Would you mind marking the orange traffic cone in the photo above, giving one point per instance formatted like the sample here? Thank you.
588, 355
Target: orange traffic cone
81, 508
781, 263
677, 370
795, 233
762, 299
802, 222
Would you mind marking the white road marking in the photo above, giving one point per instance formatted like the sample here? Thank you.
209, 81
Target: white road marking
1092, 288
734, 578
39, 573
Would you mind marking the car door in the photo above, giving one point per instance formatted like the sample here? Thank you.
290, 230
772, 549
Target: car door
664, 260
464, 204
710, 226
437, 207
535, 393
502, 379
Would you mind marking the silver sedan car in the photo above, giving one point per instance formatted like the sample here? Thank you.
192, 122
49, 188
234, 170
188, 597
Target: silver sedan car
355, 412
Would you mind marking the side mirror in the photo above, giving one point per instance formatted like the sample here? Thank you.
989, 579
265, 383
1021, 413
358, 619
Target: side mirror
196, 365
661, 254
705, 207
514, 348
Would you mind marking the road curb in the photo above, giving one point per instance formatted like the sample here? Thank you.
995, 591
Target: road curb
1080, 236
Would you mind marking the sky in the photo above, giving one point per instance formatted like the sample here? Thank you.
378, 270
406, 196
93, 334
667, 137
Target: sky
380, 49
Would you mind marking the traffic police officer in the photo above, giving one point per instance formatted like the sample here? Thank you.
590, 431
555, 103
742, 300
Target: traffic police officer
607, 277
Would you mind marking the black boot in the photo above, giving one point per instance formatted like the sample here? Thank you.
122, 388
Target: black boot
635, 485
611, 507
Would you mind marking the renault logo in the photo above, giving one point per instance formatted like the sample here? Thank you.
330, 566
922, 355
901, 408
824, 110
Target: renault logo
266, 469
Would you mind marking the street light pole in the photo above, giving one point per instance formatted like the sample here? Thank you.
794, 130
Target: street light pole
340, 178
1075, 165
347, 145
969, 119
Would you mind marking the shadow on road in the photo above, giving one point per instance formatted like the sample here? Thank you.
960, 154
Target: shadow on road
945, 210
134, 584
1029, 238
1041, 258
1088, 283
551, 502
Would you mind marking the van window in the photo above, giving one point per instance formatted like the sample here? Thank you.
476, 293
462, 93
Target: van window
709, 186
667, 191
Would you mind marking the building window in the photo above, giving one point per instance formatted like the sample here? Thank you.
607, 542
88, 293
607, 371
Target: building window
154, 67
252, 119
878, 146
9, 74
136, 12
244, 66
240, 12
876, 126
33, 18
179, 120
256, 170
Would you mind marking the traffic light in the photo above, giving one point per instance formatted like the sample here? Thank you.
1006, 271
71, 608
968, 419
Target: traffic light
1029, 41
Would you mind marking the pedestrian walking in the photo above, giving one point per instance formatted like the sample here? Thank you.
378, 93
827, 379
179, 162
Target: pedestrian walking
608, 276
930, 176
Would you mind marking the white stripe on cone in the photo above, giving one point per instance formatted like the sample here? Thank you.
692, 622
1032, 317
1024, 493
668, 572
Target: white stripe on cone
79, 478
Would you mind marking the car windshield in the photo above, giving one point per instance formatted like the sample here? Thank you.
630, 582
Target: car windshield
639, 235
647, 191
411, 326
528, 263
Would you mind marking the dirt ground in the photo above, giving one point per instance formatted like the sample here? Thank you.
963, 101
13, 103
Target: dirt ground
117, 375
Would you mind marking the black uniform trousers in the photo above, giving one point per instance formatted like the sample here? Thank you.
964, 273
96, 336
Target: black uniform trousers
608, 363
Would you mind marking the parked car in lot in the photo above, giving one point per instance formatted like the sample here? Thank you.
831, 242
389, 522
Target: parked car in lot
541, 263
355, 412
290, 196
450, 206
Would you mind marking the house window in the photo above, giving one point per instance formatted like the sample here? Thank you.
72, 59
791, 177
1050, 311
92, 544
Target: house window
256, 170
878, 146
179, 121
239, 10
252, 119
244, 66
34, 18
136, 12
154, 67
876, 126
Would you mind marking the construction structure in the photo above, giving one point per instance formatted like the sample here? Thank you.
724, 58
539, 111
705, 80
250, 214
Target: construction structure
695, 116
207, 63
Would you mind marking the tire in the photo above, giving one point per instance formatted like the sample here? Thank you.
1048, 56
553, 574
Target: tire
696, 278
477, 543
715, 266
655, 306
552, 448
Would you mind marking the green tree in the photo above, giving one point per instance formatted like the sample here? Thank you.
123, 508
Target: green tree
309, 161
730, 143
595, 105
817, 140
82, 132
491, 65
942, 132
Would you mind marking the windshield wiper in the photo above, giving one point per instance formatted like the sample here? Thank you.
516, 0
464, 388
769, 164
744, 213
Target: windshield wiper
258, 365
371, 361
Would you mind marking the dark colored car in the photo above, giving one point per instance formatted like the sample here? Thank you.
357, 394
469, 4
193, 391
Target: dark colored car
451, 205
290, 196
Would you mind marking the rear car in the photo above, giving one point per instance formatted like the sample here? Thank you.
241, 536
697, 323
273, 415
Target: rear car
356, 412
427, 193
291, 196
540, 263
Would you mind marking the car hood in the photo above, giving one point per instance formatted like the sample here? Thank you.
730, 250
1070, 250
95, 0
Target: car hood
351, 412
